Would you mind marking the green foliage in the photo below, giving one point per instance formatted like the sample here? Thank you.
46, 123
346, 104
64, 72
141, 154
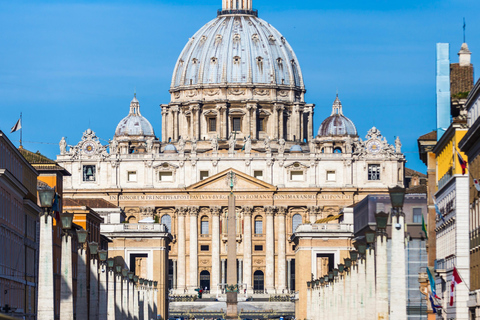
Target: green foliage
461, 95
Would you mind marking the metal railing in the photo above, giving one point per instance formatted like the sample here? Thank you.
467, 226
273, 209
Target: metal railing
253, 12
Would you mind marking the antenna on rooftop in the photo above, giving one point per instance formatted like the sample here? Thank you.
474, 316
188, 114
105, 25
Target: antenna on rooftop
464, 29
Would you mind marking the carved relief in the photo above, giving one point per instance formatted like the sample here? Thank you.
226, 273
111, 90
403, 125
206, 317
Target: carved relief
283, 93
191, 93
261, 92
212, 92
236, 91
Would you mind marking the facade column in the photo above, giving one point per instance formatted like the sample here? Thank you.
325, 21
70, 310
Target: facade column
81, 305
66, 285
310, 124
281, 245
381, 270
45, 274
275, 122
247, 247
164, 125
181, 212
111, 295
174, 276
215, 249
102, 294
398, 310
240, 272
93, 307
193, 268
312, 215
270, 251
280, 123
254, 122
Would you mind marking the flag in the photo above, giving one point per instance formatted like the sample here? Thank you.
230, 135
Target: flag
477, 184
434, 306
431, 279
56, 207
463, 164
439, 214
455, 280
17, 126
424, 227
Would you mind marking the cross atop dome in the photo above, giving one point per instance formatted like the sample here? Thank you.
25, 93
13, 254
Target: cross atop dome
135, 106
237, 7
337, 106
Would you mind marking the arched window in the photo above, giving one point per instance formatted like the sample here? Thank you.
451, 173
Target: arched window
337, 150
258, 225
167, 220
258, 280
204, 225
296, 221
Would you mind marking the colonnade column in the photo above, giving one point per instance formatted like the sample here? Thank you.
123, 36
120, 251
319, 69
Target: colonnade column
102, 293
181, 212
247, 247
45, 274
270, 250
370, 312
215, 249
398, 310
125, 294
118, 295
193, 272
382, 275
111, 295
82, 305
93, 307
282, 211
361, 288
66, 285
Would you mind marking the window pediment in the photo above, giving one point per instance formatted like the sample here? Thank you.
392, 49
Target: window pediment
165, 166
296, 166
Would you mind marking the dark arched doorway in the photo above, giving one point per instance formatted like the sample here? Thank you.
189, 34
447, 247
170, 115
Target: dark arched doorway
205, 280
258, 283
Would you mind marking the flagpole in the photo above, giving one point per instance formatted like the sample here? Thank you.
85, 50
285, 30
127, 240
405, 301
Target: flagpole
21, 125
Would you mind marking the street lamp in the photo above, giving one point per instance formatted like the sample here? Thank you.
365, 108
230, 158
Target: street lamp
353, 255
46, 195
341, 267
82, 237
93, 246
348, 262
370, 237
361, 247
382, 219
102, 255
67, 219
397, 196
326, 278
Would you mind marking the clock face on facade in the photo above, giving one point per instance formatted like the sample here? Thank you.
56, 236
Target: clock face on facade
374, 146
88, 147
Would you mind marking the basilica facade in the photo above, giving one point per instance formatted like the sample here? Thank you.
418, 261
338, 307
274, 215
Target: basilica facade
237, 105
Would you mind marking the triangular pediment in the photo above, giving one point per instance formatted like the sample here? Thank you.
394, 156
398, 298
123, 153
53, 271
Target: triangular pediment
243, 182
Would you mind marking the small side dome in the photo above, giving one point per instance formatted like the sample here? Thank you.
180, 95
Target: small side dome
170, 148
337, 124
296, 149
134, 124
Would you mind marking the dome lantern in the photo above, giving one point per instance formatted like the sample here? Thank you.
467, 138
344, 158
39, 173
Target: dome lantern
134, 124
337, 124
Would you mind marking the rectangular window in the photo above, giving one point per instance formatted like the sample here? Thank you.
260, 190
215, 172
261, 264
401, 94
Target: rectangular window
212, 124
373, 172
203, 175
89, 173
330, 175
204, 248
258, 227
165, 176
258, 174
132, 176
236, 124
296, 175
261, 124
258, 248
417, 215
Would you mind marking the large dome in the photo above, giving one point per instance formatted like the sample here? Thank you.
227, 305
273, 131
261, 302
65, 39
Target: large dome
134, 124
337, 124
237, 49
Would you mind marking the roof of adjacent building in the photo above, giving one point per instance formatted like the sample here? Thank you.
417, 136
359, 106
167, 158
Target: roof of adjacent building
41, 162
88, 202
429, 136
239, 48
410, 172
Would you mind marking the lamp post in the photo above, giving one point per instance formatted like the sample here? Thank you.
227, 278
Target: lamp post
348, 279
45, 309
354, 284
111, 289
141, 299
118, 291
102, 291
66, 285
150, 299
145, 300
82, 301
398, 310
361, 247
93, 307
125, 293
381, 267
131, 289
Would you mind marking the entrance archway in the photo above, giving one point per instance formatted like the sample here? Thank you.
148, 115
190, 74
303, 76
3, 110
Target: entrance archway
205, 280
258, 281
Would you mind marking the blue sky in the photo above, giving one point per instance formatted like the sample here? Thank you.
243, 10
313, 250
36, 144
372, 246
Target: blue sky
70, 65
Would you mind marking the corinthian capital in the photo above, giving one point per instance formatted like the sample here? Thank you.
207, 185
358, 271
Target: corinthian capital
247, 210
181, 210
270, 210
282, 210
193, 210
216, 210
